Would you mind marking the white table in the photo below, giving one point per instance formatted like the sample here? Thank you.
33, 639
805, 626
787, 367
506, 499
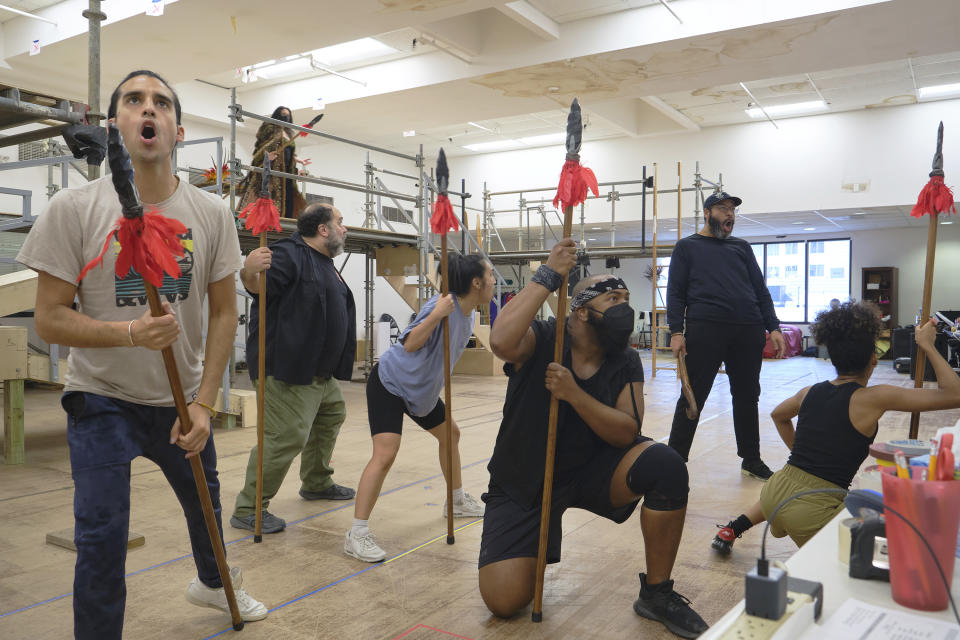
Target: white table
817, 560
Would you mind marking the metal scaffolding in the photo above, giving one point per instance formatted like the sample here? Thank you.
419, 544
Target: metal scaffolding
371, 236
538, 229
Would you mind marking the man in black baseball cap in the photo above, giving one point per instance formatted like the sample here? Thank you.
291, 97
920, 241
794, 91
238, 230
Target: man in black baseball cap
720, 218
719, 308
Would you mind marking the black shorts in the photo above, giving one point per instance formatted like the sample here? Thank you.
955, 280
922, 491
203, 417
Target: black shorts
512, 531
385, 410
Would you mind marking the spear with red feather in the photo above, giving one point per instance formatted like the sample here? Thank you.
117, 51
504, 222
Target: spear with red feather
258, 218
149, 244
442, 221
575, 180
935, 198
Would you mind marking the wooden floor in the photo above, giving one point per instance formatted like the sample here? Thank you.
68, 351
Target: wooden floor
426, 589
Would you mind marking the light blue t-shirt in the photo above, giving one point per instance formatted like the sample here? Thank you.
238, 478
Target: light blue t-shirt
417, 377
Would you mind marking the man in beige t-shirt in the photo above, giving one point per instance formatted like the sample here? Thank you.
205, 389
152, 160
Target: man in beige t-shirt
117, 397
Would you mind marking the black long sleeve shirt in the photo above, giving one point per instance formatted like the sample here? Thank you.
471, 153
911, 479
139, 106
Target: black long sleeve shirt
718, 281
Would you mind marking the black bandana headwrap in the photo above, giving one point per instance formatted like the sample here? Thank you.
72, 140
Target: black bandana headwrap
610, 284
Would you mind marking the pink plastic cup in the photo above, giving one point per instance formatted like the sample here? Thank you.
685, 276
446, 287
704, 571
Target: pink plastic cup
934, 508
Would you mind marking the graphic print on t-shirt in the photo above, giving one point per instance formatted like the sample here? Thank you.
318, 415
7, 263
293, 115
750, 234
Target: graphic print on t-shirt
130, 291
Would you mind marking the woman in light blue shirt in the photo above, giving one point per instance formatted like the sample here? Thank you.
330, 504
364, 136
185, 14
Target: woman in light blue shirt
408, 380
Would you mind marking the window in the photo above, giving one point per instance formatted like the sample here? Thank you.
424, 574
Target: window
799, 289
758, 254
832, 279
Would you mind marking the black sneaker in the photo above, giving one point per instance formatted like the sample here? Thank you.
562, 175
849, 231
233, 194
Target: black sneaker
663, 604
755, 468
723, 541
333, 492
269, 523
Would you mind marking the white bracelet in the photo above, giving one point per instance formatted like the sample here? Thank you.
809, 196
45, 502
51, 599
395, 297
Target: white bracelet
130, 332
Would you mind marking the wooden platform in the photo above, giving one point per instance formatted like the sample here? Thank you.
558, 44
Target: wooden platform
426, 589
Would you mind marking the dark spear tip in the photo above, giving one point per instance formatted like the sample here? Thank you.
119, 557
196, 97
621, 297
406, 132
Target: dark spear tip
442, 173
122, 174
574, 130
265, 178
938, 156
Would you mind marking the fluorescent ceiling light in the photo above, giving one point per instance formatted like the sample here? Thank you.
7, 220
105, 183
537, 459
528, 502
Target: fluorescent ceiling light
809, 228
548, 138
595, 228
860, 213
352, 51
499, 145
286, 68
793, 109
265, 63
940, 90
409, 134
946, 222
480, 126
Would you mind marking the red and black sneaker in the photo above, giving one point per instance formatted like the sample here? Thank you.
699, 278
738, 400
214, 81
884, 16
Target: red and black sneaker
723, 541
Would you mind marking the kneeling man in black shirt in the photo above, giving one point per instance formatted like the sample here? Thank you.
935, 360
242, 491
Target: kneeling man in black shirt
603, 464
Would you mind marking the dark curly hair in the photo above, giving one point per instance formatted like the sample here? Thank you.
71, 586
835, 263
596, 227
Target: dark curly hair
850, 333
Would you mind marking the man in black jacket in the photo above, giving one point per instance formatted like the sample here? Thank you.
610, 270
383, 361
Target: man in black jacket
311, 342
716, 286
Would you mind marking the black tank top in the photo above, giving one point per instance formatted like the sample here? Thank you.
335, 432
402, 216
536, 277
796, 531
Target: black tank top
826, 443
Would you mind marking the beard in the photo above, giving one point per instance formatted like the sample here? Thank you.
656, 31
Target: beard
717, 229
334, 246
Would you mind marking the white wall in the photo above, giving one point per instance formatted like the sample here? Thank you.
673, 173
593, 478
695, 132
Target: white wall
799, 166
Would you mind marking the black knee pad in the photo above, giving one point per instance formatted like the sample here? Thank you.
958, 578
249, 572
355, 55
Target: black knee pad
660, 475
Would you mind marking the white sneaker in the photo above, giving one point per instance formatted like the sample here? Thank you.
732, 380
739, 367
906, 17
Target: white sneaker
363, 547
470, 507
201, 595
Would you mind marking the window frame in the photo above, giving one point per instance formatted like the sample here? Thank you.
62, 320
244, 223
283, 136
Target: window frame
806, 267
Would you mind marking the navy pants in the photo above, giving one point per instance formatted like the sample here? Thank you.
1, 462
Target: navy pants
104, 435
740, 349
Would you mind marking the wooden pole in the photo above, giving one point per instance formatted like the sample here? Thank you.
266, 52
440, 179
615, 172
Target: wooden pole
448, 427
261, 390
537, 614
173, 376
920, 366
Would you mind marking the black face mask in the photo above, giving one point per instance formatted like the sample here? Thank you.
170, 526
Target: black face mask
613, 326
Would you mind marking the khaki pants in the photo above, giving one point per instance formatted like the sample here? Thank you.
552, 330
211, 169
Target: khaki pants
802, 518
298, 419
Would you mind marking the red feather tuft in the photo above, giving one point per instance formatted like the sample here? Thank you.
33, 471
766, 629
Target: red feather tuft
575, 179
149, 245
303, 134
443, 218
260, 216
934, 198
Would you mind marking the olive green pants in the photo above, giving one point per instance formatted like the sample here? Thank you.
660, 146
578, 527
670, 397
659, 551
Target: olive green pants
298, 419
802, 518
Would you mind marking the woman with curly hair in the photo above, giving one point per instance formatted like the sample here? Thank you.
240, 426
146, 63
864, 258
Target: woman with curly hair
836, 424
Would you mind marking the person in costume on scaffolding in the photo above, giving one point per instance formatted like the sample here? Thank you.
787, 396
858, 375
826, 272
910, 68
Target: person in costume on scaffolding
279, 143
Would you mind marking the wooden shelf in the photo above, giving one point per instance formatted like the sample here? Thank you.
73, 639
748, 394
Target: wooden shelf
886, 278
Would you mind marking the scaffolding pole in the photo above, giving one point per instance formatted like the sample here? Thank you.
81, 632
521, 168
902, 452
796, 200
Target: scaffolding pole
94, 16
